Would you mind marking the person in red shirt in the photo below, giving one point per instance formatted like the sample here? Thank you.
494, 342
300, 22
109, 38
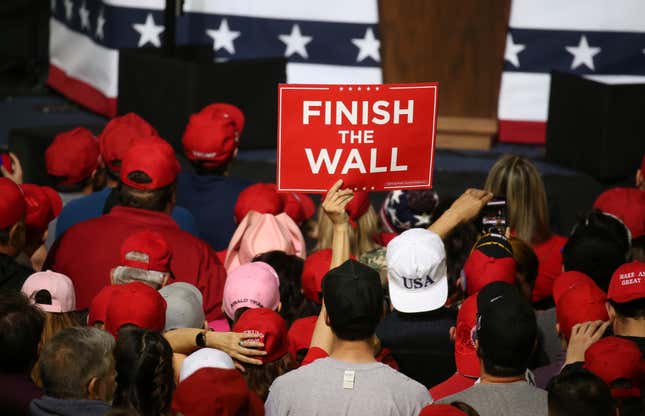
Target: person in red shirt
519, 181
89, 250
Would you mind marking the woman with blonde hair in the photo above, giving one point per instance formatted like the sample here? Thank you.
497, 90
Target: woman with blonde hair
519, 181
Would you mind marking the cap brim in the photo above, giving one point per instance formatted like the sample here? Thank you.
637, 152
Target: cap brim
421, 300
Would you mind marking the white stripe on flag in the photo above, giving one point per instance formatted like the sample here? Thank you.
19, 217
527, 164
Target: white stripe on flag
82, 59
354, 11
586, 15
525, 96
300, 73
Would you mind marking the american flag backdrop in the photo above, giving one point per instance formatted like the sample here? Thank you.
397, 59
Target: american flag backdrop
603, 40
331, 41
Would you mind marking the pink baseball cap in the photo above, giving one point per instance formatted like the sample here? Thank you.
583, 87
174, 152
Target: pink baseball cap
252, 285
60, 287
260, 233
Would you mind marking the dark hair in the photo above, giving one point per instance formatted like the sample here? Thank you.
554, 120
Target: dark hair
579, 393
238, 313
467, 409
638, 249
56, 182
203, 167
4, 235
594, 251
289, 269
21, 326
615, 227
72, 358
154, 200
634, 309
145, 377
260, 377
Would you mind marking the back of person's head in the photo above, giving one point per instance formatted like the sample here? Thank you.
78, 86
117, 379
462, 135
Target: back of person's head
212, 136
148, 173
626, 293
595, 252
271, 330
260, 233
519, 181
526, 263
135, 304
145, 377
184, 306
353, 297
491, 260
289, 268
21, 326
77, 363
506, 330
626, 204
579, 393
610, 223
13, 209
43, 205
364, 223
403, 210
251, 285
216, 392
260, 197
580, 303
145, 257
72, 160
118, 135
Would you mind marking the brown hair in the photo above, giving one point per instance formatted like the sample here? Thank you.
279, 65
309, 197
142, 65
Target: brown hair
361, 238
54, 323
519, 181
260, 378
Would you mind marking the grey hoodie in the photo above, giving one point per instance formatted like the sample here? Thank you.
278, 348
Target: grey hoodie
49, 406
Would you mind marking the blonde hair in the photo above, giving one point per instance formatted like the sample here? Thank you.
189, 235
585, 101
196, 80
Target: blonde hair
361, 238
517, 179
54, 323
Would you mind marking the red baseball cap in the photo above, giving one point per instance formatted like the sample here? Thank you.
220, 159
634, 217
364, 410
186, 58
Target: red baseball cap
119, 135
627, 283
271, 329
216, 391
300, 207
568, 280
490, 260
313, 271
614, 358
43, 205
436, 409
13, 206
99, 304
73, 155
154, 157
146, 250
628, 204
466, 358
583, 302
212, 135
299, 335
260, 197
138, 304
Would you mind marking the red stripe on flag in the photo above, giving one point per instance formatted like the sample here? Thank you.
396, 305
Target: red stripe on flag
81, 92
525, 132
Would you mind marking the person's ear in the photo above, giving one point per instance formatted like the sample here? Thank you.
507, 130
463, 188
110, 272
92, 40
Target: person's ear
113, 279
93, 389
206, 325
165, 279
557, 330
639, 178
452, 332
327, 321
610, 311
279, 308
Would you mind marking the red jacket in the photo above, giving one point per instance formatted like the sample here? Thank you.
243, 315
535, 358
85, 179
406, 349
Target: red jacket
549, 254
88, 251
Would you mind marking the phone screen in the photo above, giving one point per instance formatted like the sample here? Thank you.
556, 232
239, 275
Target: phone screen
494, 216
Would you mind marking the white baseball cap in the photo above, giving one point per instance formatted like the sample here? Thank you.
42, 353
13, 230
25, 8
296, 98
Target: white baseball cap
416, 270
205, 358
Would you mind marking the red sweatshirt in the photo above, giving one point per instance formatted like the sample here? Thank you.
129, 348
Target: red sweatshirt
88, 251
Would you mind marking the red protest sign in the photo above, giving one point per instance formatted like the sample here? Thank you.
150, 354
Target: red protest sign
374, 137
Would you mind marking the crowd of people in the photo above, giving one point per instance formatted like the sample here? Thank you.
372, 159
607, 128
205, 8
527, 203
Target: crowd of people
141, 285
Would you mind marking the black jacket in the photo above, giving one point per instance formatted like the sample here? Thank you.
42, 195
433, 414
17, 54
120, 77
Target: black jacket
49, 406
12, 274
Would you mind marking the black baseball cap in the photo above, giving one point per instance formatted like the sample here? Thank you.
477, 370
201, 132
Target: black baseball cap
506, 326
353, 296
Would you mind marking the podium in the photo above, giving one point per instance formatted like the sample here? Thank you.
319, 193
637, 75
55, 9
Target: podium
165, 90
596, 128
